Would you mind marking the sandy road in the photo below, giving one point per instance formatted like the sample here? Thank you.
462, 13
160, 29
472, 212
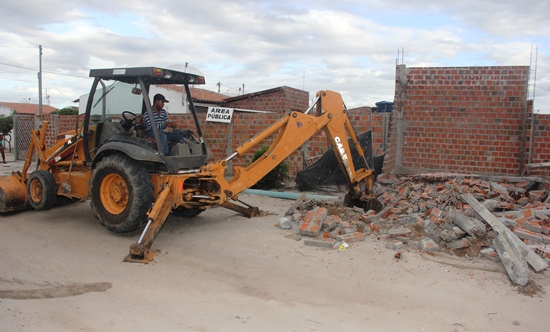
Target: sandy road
61, 271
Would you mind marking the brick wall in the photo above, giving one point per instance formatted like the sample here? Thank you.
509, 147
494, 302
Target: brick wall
540, 146
463, 119
281, 99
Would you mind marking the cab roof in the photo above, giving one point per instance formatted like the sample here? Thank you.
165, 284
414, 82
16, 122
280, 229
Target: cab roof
150, 75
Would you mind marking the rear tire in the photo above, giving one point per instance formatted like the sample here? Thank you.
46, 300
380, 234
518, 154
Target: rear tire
41, 190
182, 212
121, 193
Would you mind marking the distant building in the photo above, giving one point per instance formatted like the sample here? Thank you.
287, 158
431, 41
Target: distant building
24, 108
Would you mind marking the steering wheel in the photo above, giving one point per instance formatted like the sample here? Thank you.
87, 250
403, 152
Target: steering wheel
128, 123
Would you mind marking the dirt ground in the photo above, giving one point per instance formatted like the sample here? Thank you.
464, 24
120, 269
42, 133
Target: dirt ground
61, 271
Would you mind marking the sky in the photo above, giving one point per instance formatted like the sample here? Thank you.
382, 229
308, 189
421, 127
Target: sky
348, 46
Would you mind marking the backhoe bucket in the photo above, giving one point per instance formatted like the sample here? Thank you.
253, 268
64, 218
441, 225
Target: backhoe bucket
364, 202
13, 193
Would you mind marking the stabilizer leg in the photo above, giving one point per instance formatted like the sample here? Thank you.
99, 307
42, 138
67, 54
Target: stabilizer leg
140, 252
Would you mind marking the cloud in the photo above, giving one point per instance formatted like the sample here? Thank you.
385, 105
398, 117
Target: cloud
347, 46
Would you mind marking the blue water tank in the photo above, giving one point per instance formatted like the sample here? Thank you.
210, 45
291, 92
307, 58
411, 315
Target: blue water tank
384, 106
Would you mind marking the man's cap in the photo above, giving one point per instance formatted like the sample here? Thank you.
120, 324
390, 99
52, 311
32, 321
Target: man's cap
158, 96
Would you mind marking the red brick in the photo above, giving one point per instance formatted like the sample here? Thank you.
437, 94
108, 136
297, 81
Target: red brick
529, 214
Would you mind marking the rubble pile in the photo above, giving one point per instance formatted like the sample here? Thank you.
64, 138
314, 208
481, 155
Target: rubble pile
498, 218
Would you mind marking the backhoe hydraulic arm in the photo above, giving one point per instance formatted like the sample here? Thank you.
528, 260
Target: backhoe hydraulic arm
296, 128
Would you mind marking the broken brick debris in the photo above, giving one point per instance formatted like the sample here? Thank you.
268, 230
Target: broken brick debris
292, 209
465, 215
313, 221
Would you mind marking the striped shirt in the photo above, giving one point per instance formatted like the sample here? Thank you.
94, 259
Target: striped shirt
160, 119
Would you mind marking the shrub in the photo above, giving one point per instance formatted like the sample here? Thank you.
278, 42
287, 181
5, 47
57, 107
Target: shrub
6, 123
275, 178
69, 110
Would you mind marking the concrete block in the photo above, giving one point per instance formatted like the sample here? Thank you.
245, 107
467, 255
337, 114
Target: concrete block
428, 245
490, 254
459, 244
523, 201
473, 227
536, 195
401, 231
545, 229
542, 251
320, 242
337, 232
402, 239
545, 238
394, 244
352, 237
292, 209
508, 222
490, 204
307, 205
525, 234
448, 235
330, 223
407, 220
429, 225
460, 233
533, 226
515, 265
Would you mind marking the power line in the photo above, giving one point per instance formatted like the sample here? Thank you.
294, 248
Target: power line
15, 66
55, 85
49, 72
15, 46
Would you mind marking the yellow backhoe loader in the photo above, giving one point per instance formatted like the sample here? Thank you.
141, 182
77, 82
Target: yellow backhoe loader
131, 182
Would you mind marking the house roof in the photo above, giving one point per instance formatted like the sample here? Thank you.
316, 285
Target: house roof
254, 94
24, 108
199, 95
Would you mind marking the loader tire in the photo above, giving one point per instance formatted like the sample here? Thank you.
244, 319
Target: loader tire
41, 190
182, 212
121, 194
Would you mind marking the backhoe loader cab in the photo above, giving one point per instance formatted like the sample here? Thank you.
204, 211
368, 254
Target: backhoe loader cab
114, 117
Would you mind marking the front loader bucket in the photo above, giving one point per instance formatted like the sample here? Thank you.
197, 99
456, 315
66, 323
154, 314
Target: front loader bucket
13, 193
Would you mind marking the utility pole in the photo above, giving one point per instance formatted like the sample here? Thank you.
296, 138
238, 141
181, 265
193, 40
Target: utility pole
243, 88
40, 80
219, 85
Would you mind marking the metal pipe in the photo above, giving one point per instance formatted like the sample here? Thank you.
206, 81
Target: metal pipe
145, 231
232, 156
287, 195
311, 107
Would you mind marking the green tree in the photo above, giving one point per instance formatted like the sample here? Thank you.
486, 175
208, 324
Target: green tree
6, 123
69, 110
275, 178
